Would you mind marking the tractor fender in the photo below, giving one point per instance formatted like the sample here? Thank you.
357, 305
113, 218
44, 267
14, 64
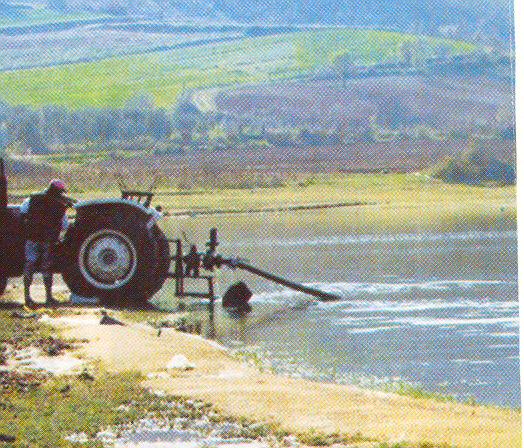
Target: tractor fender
125, 208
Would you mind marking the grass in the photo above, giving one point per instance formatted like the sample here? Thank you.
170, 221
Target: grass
42, 417
21, 333
416, 445
399, 200
39, 410
403, 191
315, 48
112, 82
415, 391
315, 437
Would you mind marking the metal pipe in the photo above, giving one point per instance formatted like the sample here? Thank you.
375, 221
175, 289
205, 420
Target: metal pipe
324, 296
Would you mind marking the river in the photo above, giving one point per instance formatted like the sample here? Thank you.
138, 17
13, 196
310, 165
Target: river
432, 308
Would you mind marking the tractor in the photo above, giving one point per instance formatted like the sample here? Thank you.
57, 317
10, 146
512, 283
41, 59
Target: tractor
115, 251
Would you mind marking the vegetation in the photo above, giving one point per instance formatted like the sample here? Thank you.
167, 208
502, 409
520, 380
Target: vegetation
415, 391
367, 47
41, 416
146, 102
477, 167
319, 438
37, 408
21, 333
166, 74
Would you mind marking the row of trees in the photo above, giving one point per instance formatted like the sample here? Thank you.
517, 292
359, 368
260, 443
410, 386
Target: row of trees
57, 129
416, 57
54, 126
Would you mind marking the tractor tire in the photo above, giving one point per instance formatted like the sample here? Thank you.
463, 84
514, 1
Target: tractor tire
163, 259
115, 260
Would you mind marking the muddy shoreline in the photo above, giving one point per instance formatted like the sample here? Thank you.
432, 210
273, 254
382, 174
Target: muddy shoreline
294, 404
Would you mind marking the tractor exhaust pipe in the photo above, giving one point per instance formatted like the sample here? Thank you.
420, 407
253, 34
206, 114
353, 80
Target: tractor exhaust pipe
3, 188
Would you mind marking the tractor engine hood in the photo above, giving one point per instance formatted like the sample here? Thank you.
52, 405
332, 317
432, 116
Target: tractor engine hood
93, 207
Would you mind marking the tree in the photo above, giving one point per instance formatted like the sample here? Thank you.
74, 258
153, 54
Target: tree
107, 123
344, 65
23, 125
392, 113
5, 138
186, 116
159, 124
53, 124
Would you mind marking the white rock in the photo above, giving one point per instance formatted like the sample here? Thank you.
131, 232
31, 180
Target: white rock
163, 375
106, 435
157, 392
27, 353
180, 362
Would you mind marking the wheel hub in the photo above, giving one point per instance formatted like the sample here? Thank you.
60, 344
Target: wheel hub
107, 259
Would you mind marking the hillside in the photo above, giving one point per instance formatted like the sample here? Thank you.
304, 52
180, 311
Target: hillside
93, 40
35, 15
49, 32
165, 74
409, 103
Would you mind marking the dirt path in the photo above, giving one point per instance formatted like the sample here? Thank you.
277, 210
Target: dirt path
297, 404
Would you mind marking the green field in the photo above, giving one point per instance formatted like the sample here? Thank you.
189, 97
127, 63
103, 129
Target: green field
164, 75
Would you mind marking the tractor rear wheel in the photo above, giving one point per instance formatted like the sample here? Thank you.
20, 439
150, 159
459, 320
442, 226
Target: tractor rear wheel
115, 260
163, 259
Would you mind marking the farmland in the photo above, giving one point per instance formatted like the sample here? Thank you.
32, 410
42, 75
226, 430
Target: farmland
441, 102
95, 40
165, 74
245, 170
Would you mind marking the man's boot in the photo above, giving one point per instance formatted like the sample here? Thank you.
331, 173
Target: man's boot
49, 300
28, 280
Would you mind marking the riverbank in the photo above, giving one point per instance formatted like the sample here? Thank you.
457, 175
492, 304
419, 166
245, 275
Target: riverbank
403, 192
296, 404
364, 418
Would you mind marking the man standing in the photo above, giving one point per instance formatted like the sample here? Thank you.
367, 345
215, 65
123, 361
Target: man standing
45, 217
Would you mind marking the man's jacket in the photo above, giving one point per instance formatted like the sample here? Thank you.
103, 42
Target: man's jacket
45, 216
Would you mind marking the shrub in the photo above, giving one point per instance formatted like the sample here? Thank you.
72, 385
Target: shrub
476, 167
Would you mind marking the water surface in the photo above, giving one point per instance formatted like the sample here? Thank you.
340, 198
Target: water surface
435, 306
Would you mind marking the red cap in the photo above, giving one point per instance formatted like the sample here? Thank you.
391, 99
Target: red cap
58, 184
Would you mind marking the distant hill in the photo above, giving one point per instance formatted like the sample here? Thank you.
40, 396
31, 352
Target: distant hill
490, 22
394, 106
111, 82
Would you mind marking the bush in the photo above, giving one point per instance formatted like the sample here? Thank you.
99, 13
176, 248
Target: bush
476, 167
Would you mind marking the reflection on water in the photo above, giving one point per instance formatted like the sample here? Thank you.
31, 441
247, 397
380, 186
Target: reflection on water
436, 306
